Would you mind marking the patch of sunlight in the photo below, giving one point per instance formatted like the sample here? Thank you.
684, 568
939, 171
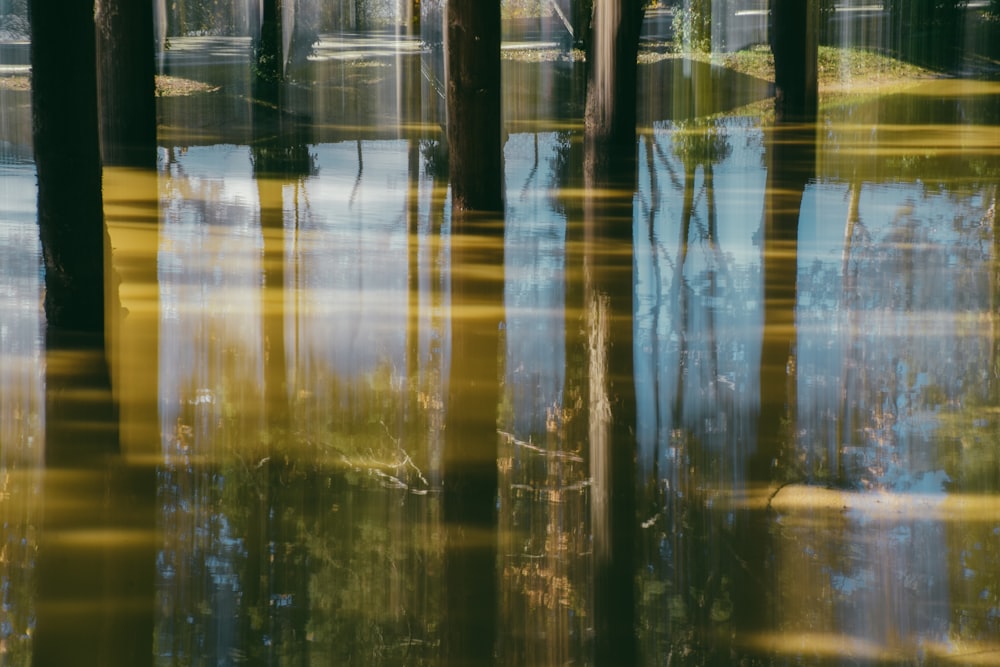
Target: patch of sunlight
884, 505
963, 653
820, 644
99, 537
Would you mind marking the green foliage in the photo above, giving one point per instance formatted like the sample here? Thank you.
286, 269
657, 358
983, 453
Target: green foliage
14, 19
203, 17
992, 13
692, 25
927, 32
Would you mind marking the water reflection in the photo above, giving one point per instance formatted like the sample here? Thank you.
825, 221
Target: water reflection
22, 411
807, 321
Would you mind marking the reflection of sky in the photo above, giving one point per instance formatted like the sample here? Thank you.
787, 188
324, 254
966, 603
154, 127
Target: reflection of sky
209, 279
900, 326
888, 336
22, 404
352, 261
697, 326
535, 290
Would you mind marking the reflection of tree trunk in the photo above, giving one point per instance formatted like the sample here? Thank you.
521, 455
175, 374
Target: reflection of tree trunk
125, 43
848, 288
795, 46
608, 300
68, 162
474, 113
789, 167
412, 281
470, 456
791, 162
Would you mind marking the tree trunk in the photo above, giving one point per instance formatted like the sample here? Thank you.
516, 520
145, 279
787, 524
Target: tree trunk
269, 62
795, 46
581, 13
610, 115
68, 162
126, 62
475, 141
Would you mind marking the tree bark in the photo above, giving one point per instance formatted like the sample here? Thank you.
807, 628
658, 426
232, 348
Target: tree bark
68, 162
126, 81
795, 46
475, 142
610, 114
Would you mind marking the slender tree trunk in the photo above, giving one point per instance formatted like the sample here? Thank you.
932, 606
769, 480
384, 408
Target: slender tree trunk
475, 140
126, 62
68, 161
795, 45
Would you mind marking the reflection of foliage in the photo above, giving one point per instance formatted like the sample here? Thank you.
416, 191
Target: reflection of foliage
375, 563
202, 17
279, 159
435, 154
701, 141
685, 593
18, 553
14, 19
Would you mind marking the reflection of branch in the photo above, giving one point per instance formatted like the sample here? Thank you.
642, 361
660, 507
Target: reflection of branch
554, 453
531, 174
654, 209
357, 181
853, 218
660, 153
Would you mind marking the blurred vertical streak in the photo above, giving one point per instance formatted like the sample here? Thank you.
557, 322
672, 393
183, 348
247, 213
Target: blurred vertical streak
470, 456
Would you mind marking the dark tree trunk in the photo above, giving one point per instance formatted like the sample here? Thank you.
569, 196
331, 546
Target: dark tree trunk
475, 140
470, 448
610, 115
581, 12
126, 62
269, 65
795, 46
68, 161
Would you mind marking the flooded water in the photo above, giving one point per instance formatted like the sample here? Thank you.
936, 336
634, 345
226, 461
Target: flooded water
743, 413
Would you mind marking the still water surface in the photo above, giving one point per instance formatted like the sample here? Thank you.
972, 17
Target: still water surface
810, 328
